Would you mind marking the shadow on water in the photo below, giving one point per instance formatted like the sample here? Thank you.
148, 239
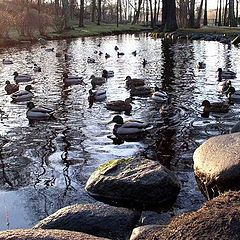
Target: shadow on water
44, 166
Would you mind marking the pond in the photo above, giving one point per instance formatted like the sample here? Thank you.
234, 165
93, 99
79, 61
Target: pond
44, 166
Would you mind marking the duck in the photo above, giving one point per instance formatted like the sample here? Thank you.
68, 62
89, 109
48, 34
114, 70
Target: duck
217, 107
98, 95
159, 96
36, 68
226, 74
134, 53
38, 113
116, 48
129, 130
107, 74
134, 82
7, 61
58, 54
120, 54
120, 105
144, 63
224, 86
21, 78
72, 80
23, 95
100, 53
97, 81
67, 57
201, 65
42, 41
99, 44
90, 60
141, 91
49, 49
232, 94
11, 87
107, 55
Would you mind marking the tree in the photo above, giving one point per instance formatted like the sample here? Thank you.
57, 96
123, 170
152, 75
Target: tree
192, 14
136, 16
66, 12
198, 22
169, 20
99, 12
205, 20
232, 19
81, 13
93, 15
220, 13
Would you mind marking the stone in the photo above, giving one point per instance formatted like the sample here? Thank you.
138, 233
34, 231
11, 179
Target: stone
134, 182
217, 164
95, 219
217, 219
142, 232
30, 234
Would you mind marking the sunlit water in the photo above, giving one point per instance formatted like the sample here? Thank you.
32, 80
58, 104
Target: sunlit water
45, 166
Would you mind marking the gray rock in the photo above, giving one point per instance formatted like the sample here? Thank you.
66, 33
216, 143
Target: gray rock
142, 233
138, 182
29, 234
217, 164
154, 218
98, 220
217, 219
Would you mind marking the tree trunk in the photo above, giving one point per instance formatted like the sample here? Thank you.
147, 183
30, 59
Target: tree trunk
147, 12
120, 11
225, 17
66, 13
198, 22
136, 17
93, 11
151, 13
220, 13
205, 18
232, 19
117, 11
192, 14
237, 12
169, 20
57, 7
216, 17
99, 12
81, 13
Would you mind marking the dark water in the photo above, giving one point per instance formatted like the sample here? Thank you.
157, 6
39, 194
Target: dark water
44, 166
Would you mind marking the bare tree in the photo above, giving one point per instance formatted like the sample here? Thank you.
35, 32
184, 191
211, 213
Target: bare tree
192, 14
93, 15
99, 9
81, 13
198, 22
205, 18
232, 19
169, 20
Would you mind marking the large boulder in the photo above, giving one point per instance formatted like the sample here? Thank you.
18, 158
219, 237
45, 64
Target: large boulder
217, 219
29, 234
99, 220
134, 182
217, 164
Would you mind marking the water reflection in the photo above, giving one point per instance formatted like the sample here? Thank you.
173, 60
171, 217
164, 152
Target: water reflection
45, 165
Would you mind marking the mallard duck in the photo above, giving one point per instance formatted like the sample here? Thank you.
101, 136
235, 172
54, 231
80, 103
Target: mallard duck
144, 63
98, 95
72, 80
49, 49
107, 55
129, 130
134, 53
107, 74
120, 54
232, 94
38, 113
42, 41
67, 57
21, 78
159, 96
97, 81
23, 95
224, 86
134, 82
100, 53
226, 74
90, 60
116, 48
217, 107
120, 105
7, 61
201, 65
141, 91
11, 88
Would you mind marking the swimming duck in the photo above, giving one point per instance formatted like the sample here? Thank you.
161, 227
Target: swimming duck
7, 61
116, 48
144, 63
58, 54
42, 41
23, 95
72, 80
36, 68
49, 49
232, 94
107, 74
141, 91
134, 82
226, 74
120, 105
98, 95
97, 81
67, 57
90, 60
11, 88
217, 107
159, 96
201, 65
120, 54
38, 113
134, 53
100, 53
129, 130
224, 86
21, 78
107, 55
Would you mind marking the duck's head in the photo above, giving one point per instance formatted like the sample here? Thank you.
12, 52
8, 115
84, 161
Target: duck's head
117, 119
128, 78
206, 103
65, 75
219, 70
156, 88
28, 88
128, 100
15, 74
92, 77
30, 105
231, 90
7, 82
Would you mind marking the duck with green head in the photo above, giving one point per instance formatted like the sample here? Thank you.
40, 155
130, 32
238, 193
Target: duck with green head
23, 95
